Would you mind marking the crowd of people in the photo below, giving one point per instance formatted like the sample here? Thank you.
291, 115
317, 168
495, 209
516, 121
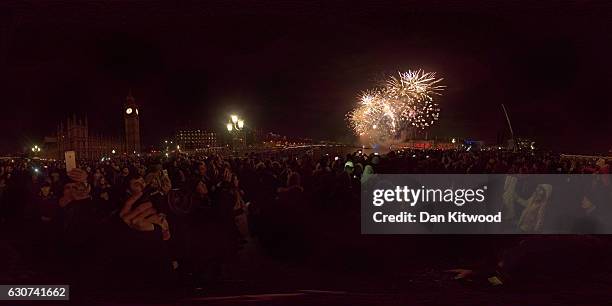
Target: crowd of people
159, 222
543, 192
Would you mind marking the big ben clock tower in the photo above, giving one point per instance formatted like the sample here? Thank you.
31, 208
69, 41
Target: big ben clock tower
132, 125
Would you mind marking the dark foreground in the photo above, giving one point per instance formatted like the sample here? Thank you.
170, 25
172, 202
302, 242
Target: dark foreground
278, 230
255, 278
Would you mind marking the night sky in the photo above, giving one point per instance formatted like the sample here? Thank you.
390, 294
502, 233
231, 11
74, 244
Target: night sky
296, 67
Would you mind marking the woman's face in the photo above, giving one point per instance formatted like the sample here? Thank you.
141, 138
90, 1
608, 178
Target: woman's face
202, 169
45, 191
69, 190
137, 185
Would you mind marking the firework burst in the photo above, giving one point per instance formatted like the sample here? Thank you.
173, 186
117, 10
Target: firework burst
413, 91
402, 101
375, 116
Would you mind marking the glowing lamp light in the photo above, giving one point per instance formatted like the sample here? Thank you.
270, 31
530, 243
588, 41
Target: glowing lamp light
113, 151
128, 110
230, 127
454, 140
240, 124
234, 118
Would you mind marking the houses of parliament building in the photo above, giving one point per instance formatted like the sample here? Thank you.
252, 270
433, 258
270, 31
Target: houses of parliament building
75, 135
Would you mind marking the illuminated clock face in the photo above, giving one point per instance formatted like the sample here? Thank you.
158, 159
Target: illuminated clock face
128, 110
136, 111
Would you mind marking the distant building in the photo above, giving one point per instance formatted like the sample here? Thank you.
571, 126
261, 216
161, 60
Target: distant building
194, 139
75, 136
259, 136
49, 148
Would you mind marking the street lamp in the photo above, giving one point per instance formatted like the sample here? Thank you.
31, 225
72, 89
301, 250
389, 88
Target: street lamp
35, 148
234, 126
